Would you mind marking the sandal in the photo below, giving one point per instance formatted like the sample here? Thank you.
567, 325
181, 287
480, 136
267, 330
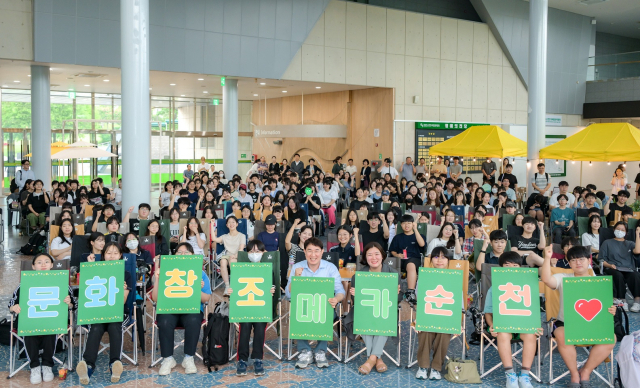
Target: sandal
365, 368
585, 384
381, 367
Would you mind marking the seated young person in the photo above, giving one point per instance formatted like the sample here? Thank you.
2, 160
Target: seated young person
233, 242
96, 242
255, 250
498, 240
510, 207
448, 238
373, 261
427, 341
314, 266
347, 252
40, 371
174, 228
143, 214
562, 219
592, 236
408, 246
37, 204
578, 258
132, 245
113, 227
509, 260
167, 323
161, 245
620, 204
527, 245
477, 233
278, 213
193, 234
270, 238
560, 259
618, 259
61, 245
103, 215
378, 230
85, 368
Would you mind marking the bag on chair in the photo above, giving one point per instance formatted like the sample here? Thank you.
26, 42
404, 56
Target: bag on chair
462, 372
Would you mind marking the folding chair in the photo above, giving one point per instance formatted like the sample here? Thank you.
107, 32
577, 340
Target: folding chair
128, 324
348, 357
276, 324
79, 245
552, 306
491, 342
165, 229
462, 265
332, 239
17, 345
337, 332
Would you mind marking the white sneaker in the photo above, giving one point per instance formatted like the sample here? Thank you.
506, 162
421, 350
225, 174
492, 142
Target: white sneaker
635, 308
321, 359
47, 374
167, 364
189, 366
434, 375
421, 374
36, 375
304, 359
625, 306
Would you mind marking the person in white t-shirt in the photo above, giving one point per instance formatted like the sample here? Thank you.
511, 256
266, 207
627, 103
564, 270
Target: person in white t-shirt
388, 169
117, 194
203, 166
564, 189
328, 198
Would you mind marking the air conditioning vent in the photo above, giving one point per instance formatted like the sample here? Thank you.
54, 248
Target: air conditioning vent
90, 75
591, 2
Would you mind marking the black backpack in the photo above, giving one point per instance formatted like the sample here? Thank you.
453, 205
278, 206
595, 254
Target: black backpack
215, 338
36, 244
620, 324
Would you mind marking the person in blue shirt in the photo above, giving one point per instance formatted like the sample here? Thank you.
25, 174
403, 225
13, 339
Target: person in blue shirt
167, 323
270, 237
314, 266
562, 218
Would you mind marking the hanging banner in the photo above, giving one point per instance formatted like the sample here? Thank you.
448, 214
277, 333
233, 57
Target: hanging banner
251, 299
311, 315
376, 304
440, 301
42, 307
586, 319
179, 285
101, 294
516, 302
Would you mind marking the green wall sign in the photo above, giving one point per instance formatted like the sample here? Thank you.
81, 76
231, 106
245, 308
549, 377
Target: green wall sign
440, 125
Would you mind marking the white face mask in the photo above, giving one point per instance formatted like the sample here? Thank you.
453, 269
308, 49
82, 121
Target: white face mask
619, 233
494, 191
255, 257
132, 244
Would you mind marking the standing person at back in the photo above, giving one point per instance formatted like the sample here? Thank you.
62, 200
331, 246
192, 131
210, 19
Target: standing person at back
439, 168
386, 168
408, 169
203, 166
187, 174
489, 170
455, 170
297, 165
24, 174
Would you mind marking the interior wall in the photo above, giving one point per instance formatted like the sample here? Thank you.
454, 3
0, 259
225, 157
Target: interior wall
361, 111
16, 30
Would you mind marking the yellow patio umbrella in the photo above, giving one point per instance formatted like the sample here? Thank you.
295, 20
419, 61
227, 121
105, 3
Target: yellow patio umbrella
55, 147
608, 142
485, 141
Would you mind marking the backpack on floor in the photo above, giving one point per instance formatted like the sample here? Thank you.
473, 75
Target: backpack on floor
35, 244
215, 338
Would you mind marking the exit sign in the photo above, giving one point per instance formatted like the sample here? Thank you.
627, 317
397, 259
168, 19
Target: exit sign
244, 156
222, 79
216, 101
439, 125
72, 94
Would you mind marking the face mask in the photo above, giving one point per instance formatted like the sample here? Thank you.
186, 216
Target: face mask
221, 175
494, 191
132, 244
255, 257
619, 233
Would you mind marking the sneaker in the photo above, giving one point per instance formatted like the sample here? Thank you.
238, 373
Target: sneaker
189, 366
321, 359
84, 372
512, 380
241, 369
434, 375
36, 375
635, 308
410, 297
524, 381
258, 369
304, 359
421, 374
166, 366
116, 371
625, 306
47, 374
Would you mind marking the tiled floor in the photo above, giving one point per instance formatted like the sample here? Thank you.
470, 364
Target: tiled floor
279, 373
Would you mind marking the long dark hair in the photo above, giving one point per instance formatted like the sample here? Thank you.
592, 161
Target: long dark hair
189, 229
158, 233
61, 233
347, 221
589, 228
452, 240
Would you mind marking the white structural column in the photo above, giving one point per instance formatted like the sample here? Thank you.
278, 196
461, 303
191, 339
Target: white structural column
230, 127
538, 10
136, 136
41, 123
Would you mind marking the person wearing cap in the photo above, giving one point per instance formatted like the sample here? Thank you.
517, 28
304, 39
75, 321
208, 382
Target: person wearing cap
408, 247
270, 237
619, 204
506, 184
386, 168
386, 198
243, 196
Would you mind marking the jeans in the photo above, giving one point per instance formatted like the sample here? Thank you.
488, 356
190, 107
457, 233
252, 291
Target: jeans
304, 345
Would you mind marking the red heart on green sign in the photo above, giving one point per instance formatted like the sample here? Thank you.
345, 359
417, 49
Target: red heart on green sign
588, 309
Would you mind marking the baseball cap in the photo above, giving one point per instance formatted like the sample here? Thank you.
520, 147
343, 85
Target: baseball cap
270, 220
385, 192
510, 204
243, 187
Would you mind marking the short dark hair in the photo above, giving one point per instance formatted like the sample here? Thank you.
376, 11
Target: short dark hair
406, 218
529, 220
563, 183
578, 252
313, 241
568, 241
624, 193
255, 243
476, 223
371, 245
509, 257
294, 155
25, 161
563, 196
626, 227
186, 245
540, 164
144, 205
498, 235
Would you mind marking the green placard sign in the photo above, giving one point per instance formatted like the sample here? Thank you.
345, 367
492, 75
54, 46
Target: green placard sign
101, 294
251, 299
439, 125
586, 319
179, 286
440, 301
42, 307
516, 302
376, 304
311, 313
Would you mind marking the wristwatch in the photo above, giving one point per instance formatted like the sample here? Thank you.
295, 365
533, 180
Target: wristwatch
485, 252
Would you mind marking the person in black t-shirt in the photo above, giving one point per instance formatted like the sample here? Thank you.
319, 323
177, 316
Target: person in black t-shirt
528, 245
620, 204
360, 201
408, 247
376, 233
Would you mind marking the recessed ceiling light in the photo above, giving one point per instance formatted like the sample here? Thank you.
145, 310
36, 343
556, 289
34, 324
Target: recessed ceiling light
205, 92
87, 85
5, 86
262, 83
255, 95
150, 88
318, 87
200, 79
284, 91
28, 75
105, 80
172, 84
182, 95
71, 89
16, 82
51, 68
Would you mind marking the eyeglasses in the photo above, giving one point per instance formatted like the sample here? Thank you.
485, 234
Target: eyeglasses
578, 259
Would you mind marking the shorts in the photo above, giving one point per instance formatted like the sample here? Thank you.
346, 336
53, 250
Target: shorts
404, 262
556, 324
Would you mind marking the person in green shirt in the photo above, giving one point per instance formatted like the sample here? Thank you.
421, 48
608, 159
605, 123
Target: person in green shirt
562, 219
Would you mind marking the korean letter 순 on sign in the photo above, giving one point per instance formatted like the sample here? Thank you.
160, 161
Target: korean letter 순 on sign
440, 301
251, 300
42, 307
101, 294
179, 285
516, 301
